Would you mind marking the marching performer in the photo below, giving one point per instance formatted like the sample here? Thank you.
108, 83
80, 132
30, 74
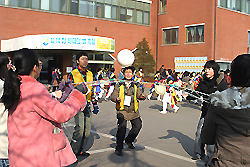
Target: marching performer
126, 96
111, 85
83, 117
170, 95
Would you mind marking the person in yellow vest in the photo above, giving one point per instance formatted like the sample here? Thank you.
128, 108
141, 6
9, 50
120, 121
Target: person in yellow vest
126, 95
83, 117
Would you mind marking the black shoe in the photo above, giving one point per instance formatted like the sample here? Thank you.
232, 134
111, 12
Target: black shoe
130, 145
83, 154
118, 152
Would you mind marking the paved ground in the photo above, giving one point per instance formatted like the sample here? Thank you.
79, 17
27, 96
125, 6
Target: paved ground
165, 140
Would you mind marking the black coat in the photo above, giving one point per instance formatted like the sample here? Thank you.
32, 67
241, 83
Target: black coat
209, 86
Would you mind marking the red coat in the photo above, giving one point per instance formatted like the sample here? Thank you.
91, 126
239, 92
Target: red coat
31, 124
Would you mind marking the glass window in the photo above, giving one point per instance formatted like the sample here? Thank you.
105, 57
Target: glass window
248, 7
55, 5
74, 7
162, 6
64, 6
24, 3
90, 57
195, 33
238, 5
13, 2
107, 57
35, 4
122, 14
146, 18
99, 10
107, 11
115, 12
170, 36
2, 2
233, 4
243, 5
129, 15
91, 9
139, 16
83, 7
99, 57
45, 4
223, 3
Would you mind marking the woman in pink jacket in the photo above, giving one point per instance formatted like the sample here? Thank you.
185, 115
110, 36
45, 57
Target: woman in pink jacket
34, 122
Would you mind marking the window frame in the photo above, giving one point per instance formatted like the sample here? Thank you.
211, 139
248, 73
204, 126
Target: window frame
170, 29
195, 34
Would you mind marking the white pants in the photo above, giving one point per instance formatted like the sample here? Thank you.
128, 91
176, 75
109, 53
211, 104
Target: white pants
167, 100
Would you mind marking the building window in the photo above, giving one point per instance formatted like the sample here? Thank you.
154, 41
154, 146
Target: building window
134, 11
64, 6
195, 33
91, 9
146, 18
162, 6
45, 4
24, 3
83, 7
74, 7
99, 10
122, 14
115, 12
35, 4
129, 15
107, 11
239, 5
13, 2
170, 35
55, 5
139, 16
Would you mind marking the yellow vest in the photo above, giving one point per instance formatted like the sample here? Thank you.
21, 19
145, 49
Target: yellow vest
77, 76
120, 106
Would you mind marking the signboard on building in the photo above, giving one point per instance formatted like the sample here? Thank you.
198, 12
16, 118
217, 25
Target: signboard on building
59, 41
190, 64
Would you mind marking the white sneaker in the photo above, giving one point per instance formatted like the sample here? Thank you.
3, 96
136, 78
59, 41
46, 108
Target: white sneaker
176, 109
163, 112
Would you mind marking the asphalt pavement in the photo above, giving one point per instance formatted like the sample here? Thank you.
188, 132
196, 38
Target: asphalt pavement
164, 140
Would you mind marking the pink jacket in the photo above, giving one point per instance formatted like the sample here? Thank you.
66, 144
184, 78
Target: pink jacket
32, 138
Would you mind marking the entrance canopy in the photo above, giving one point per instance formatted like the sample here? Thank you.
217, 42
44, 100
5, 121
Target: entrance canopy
59, 41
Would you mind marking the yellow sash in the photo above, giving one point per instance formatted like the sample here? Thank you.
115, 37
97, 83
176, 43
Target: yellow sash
120, 106
77, 76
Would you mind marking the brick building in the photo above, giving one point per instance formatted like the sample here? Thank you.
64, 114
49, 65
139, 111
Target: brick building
182, 34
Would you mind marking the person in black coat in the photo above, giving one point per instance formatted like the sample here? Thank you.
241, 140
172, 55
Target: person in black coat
211, 82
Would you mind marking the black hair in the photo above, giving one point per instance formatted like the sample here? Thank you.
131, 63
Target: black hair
129, 67
186, 73
80, 54
139, 68
112, 70
23, 63
240, 71
169, 71
4, 61
212, 64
